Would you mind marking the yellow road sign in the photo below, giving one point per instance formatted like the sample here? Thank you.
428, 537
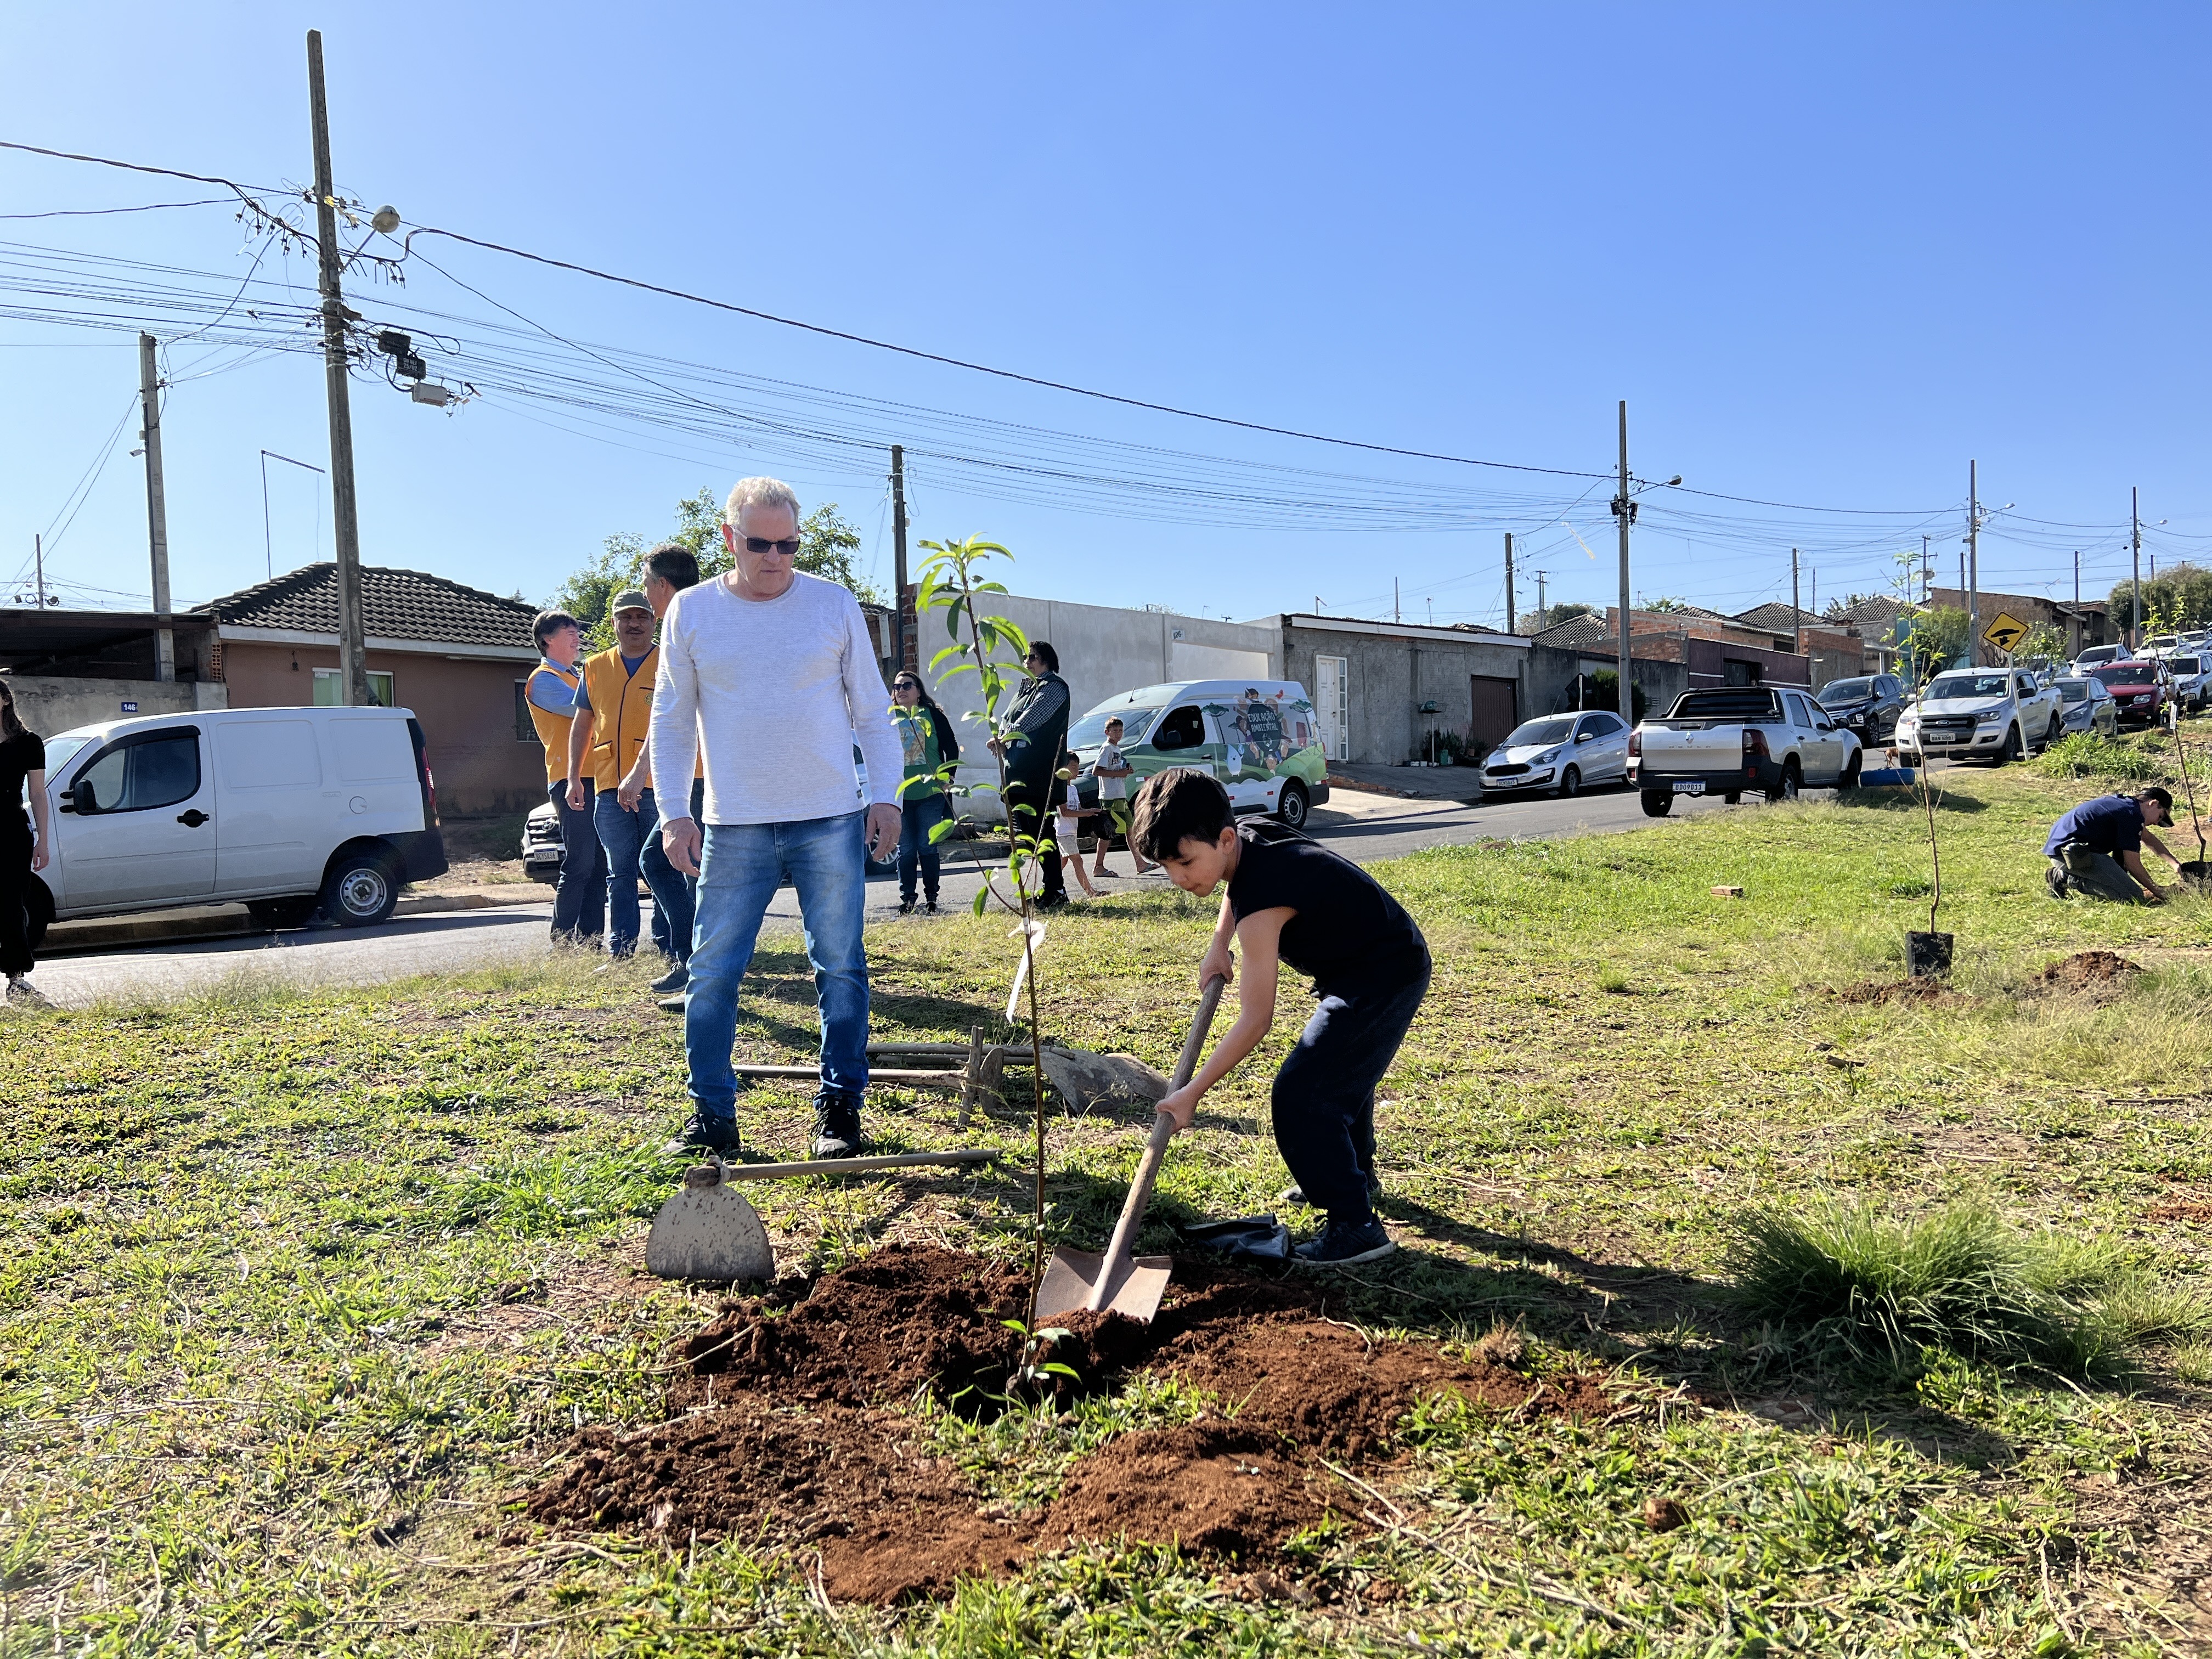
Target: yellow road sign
2006, 632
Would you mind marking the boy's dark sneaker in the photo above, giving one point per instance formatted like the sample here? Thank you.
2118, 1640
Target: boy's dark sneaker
2055, 879
929, 906
1297, 1194
906, 907
1344, 1244
697, 1137
675, 978
836, 1125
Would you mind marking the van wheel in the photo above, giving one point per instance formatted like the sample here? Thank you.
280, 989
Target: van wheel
1292, 807
1657, 803
360, 892
283, 912
1571, 783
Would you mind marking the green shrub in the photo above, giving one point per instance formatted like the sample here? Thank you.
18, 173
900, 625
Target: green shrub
2089, 755
1960, 1279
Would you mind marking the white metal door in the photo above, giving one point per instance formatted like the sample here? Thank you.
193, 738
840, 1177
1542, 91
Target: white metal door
279, 824
142, 828
1332, 706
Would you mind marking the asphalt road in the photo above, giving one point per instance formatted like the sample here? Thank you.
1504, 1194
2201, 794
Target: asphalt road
1362, 826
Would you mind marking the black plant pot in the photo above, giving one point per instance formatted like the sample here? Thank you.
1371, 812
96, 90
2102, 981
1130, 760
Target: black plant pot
2197, 874
1927, 954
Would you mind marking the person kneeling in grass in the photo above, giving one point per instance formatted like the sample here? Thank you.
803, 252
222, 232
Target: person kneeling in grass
1292, 901
2096, 849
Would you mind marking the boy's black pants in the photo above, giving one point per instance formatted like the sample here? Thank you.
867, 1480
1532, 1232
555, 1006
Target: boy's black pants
1324, 1095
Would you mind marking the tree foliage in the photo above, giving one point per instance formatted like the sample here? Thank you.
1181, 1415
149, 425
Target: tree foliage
2180, 596
1565, 610
829, 547
1936, 640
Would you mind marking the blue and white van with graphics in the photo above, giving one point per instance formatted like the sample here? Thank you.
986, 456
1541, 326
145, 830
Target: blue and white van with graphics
1261, 737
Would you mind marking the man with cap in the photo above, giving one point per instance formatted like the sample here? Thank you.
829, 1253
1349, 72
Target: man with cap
608, 765
2096, 849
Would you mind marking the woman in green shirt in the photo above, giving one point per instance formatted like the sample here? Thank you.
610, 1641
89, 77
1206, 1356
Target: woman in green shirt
926, 737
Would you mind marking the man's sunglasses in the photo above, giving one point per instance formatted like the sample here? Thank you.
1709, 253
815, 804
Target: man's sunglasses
762, 545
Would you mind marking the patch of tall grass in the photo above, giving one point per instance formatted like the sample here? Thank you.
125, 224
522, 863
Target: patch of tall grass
2091, 755
1850, 1281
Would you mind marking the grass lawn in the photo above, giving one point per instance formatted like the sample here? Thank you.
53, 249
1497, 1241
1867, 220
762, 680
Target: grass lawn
299, 1291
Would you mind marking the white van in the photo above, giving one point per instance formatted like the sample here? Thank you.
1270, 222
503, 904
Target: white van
287, 810
1259, 738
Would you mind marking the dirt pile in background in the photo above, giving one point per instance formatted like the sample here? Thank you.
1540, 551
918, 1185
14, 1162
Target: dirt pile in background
1884, 991
786, 1433
2088, 968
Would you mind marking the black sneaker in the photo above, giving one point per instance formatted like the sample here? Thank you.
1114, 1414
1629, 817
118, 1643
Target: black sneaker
2055, 879
1297, 1194
906, 907
836, 1125
1345, 1244
698, 1137
929, 905
674, 980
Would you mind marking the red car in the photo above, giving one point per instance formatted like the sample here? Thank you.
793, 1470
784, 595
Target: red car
2137, 697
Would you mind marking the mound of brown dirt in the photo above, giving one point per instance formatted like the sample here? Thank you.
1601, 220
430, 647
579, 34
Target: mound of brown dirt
2087, 967
2183, 1211
787, 1437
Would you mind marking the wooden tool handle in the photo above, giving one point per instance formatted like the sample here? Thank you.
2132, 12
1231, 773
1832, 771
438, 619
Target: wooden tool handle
1148, 1166
854, 1165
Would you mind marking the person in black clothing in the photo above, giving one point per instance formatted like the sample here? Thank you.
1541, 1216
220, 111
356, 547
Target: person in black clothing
1292, 901
22, 763
1039, 720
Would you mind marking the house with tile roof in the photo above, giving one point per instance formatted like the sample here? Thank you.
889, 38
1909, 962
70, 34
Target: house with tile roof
455, 655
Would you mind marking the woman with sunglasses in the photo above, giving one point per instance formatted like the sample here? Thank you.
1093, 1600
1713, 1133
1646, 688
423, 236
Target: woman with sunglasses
932, 751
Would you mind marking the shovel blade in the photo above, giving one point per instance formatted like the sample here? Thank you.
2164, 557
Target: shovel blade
1072, 1276
709, 1233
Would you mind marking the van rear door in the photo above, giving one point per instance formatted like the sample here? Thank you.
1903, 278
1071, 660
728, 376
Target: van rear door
138, 825
277, 824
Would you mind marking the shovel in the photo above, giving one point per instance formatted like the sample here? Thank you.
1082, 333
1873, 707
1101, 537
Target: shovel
1086, 1281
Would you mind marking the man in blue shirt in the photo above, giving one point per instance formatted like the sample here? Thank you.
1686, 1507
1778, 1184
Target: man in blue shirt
2097, 849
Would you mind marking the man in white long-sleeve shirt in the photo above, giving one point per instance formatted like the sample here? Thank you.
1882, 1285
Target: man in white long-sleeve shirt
774, 674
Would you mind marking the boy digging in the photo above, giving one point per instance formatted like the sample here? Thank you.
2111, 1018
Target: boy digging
1291, 901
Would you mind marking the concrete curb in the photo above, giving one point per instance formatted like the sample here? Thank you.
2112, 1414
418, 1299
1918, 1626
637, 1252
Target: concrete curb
232, 921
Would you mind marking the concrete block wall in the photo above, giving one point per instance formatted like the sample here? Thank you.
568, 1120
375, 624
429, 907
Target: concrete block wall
49, 704
1389, 674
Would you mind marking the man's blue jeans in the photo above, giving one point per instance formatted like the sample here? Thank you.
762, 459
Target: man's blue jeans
625, 836
738, 876
580, 898
675, 896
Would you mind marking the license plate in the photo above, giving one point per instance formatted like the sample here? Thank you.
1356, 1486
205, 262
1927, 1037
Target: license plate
1686, 787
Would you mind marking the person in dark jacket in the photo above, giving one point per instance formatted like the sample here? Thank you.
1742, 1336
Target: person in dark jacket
931, 751
1038, 720
2096, 849
22, 772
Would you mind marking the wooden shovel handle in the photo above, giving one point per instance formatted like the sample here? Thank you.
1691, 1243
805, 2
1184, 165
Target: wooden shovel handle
1148, 1166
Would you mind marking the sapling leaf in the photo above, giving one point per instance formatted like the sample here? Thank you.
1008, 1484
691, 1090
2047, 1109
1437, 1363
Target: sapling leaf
940, 830
982, 899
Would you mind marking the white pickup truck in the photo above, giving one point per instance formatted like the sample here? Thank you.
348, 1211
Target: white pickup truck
1727, 739
1981, 713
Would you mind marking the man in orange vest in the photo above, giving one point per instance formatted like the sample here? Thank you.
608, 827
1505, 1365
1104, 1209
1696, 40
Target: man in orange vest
579, 901
614, 714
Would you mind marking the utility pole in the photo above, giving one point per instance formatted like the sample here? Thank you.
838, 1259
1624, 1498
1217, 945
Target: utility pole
346, 522
1510, 628
39, 564
1973, 563
1797, 616
898, 557
1543, 612
157, 510
1397, 614
1624, 510
1927, 572
2134, 537
2077, 577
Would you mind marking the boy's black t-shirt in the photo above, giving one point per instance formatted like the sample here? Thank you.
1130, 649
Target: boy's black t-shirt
1349, 934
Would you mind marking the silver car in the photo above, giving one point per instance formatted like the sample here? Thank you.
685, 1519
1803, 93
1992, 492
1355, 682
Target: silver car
2089, 706
2190, 680
1562, 753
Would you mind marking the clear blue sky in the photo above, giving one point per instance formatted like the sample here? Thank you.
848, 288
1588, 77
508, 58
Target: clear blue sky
1827, 254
